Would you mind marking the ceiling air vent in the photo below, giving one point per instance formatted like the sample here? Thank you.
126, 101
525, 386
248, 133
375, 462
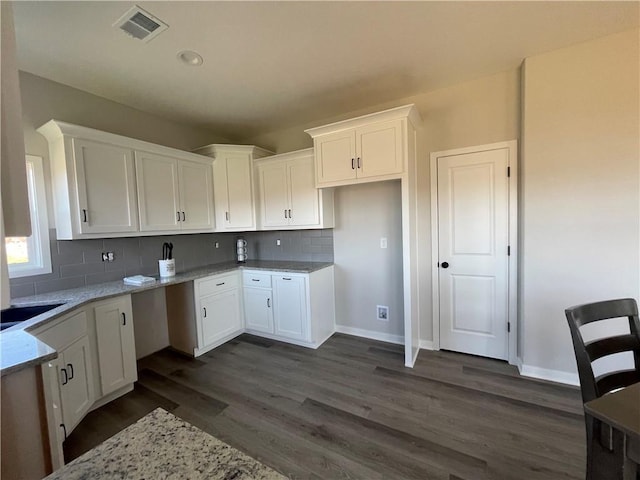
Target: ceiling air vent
140, 24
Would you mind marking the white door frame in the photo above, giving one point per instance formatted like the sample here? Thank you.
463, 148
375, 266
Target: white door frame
512, 281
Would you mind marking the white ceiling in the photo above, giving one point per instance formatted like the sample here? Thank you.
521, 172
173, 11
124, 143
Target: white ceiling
271, 65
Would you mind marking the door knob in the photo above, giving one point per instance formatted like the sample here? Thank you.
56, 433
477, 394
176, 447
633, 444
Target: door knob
444, 265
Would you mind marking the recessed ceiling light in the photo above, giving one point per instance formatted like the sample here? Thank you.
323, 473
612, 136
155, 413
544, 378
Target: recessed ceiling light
191, 58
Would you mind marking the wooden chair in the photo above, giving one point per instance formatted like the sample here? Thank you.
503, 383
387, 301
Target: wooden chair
604, 446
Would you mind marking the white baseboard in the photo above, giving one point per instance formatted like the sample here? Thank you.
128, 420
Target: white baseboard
371, 334
547, 374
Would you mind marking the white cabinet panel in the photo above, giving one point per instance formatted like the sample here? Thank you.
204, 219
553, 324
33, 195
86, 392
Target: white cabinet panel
258, 309
76, 377
379, 147
219, 316
303, 195
290, 307
196, 195
106, 187
335, 157
116, 345
157, 180
274, 196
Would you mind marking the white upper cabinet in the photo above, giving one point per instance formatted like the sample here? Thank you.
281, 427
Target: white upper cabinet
233, 185
98, 178
288, 198
174, 194
364, 149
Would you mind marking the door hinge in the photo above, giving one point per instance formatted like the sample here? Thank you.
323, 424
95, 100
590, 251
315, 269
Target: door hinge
508, 250
508, 171
508, 327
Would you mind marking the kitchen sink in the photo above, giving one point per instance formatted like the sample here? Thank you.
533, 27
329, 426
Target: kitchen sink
14, 315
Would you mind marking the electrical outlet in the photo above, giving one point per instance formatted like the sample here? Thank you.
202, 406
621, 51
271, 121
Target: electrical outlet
278, 242
383, 242
108, 256
217, 244
383, 313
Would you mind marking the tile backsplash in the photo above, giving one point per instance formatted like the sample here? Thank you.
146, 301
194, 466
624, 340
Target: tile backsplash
76, 263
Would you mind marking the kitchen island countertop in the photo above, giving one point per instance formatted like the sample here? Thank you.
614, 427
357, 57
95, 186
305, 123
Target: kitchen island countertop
160, 445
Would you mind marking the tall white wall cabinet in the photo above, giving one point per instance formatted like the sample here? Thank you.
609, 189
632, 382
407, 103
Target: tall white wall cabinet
234, 185
376, 147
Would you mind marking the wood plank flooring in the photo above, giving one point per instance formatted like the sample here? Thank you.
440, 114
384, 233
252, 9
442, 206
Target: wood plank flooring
351, 410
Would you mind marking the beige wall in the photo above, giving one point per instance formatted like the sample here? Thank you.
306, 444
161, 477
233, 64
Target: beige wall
365, 274
580, 177
481, 111
44, 99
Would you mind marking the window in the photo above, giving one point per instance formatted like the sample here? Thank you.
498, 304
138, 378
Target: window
31, 255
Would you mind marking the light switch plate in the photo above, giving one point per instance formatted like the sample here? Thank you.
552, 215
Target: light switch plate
383, 242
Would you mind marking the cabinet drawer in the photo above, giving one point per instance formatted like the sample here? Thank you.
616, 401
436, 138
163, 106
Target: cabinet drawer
250, 279
66, 331
218, 283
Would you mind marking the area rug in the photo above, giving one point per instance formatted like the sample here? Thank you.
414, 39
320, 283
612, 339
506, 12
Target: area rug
162, 446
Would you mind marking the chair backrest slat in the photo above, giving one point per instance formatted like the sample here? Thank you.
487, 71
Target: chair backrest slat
610, 345
613, 381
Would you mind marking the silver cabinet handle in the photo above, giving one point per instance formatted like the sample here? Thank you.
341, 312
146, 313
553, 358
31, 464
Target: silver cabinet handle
285, 213
184, 217
219, 284
226, 216
70, 365
268, 303
286, 278
66, 376
353, 164
359, 163
178, 215
289, 213
64, 429
255, 279
124, 318
84, 215
205, 311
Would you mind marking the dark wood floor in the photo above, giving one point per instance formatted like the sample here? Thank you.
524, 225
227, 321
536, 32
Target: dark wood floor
352, 410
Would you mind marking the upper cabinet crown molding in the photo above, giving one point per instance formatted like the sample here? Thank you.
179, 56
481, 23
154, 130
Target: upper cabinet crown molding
215, 149
406, 111
56, 129
370, 148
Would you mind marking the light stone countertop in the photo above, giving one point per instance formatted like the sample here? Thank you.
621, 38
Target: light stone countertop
162, 446
18, 351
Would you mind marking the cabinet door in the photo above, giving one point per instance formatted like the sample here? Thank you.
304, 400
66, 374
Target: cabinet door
116, 346
274, 202
290, 307
303, 194
218, 317
240, 191
379, 147
258, 310
77, 383
335, 157
106, 188
158, 197
196, 195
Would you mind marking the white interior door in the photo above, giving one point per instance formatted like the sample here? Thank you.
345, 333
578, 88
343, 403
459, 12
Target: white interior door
473, 216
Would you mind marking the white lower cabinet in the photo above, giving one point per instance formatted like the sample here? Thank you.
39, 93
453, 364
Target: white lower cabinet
297, 308
218, 310
96, 363
116, 345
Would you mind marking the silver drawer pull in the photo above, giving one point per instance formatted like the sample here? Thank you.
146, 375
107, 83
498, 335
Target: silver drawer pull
286, 278
219, 284
255, 279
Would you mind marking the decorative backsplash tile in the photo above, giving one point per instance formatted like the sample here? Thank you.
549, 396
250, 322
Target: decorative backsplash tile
76, 263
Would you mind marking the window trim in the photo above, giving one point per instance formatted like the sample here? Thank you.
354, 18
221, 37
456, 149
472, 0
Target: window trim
39, 224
